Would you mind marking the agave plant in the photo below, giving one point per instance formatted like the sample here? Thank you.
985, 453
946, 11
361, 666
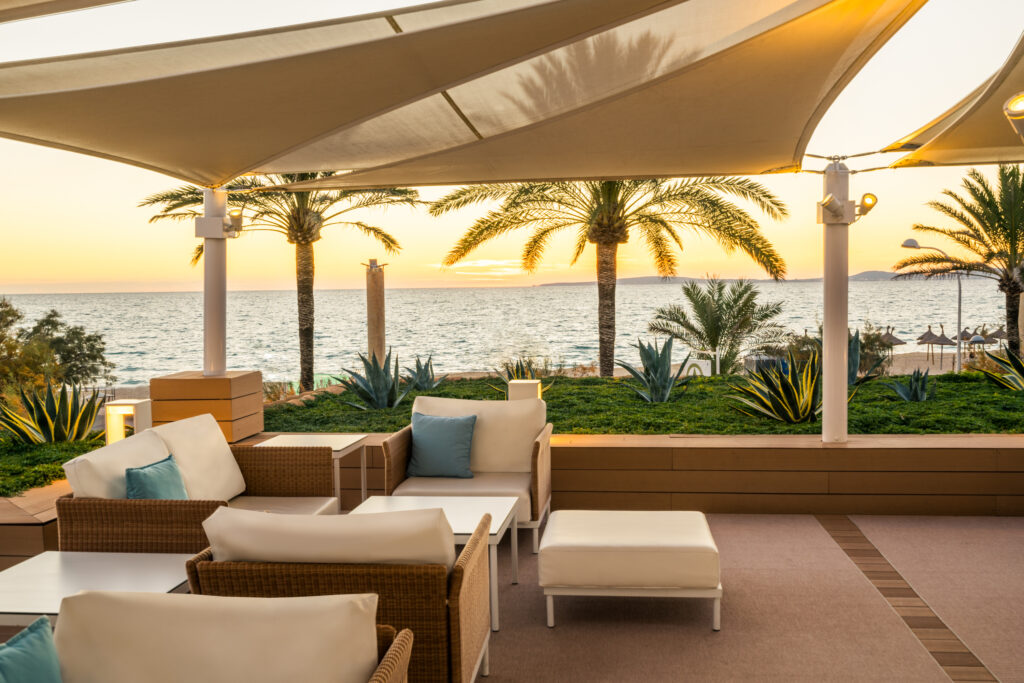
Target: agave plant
378, 386
916, 389
791, 395
422, 377
519, 368
853, 377
53, 416
656, 377
1012, 365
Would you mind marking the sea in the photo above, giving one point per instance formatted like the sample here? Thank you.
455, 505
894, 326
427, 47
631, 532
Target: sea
464, 329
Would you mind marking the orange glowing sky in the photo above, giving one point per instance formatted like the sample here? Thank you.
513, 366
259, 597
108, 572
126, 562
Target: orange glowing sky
69, 223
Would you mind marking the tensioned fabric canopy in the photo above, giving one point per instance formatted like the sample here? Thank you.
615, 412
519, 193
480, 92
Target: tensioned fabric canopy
14, 10
975, 130
467, 91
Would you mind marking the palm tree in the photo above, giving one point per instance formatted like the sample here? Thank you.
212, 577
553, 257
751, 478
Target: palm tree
300, 217
722, 322
606, 212
990, 225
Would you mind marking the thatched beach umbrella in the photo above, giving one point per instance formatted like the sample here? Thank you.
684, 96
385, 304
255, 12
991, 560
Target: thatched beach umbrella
942, 341
891, 340
928, 338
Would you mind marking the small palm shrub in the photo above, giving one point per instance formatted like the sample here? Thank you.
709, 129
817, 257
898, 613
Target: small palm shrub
916, 389
378, 387
657, 378
422, 377
791, 395
53, 416
1012, 375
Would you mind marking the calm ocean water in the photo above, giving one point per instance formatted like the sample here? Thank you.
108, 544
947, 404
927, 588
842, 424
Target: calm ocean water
465, 329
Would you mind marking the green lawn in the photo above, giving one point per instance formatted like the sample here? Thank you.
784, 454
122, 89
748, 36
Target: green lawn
26, 467
594, 405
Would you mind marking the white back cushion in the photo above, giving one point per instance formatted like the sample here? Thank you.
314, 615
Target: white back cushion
204, 458
100, 473
405, 537
504, 432
168, 638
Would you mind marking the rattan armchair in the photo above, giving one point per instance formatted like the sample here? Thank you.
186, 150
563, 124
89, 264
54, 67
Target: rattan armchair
176, 526
448, 611
393, 652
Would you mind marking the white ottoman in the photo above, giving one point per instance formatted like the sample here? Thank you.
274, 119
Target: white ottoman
629, 553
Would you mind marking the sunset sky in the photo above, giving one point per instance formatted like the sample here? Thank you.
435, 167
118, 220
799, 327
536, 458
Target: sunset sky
69, 223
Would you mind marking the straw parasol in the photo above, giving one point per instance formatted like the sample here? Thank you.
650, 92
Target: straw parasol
891, 339
928, 338
942, 341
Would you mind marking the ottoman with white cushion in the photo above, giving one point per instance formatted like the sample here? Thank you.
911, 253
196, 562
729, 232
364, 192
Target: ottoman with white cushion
629, 553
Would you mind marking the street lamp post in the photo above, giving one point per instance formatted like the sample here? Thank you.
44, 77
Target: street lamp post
912, 244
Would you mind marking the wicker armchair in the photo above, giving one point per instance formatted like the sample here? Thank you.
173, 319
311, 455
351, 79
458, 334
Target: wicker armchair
398, 448
449, 612
393, 651
176, 526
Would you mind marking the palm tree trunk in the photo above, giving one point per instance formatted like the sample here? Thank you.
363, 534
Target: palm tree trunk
304, 287
606, 276
1013, 317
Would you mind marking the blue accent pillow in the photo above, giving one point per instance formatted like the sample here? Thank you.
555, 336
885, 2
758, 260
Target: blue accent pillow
440, 446
30, 655
160, 480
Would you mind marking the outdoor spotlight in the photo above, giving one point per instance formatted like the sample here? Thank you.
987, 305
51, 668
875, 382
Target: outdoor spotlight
139, 410
1014, 110
867, 202
233, 223
910, 244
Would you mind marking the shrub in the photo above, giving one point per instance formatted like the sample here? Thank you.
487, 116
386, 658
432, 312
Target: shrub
792, 395
422, 377
656, 377
915, 390
378, 386
53, 417
1012, 375
524, 367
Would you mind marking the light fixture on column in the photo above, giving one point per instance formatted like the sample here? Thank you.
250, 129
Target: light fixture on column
220, 226
233, 225
1014, 110
140, 410
867, 202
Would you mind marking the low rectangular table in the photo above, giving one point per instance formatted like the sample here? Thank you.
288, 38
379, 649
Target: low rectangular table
341, 444
464, 513
36, 586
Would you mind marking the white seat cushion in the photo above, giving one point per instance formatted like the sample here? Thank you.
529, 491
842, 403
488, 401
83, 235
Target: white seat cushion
202, 453
483, 484
504, 432
100, 473
406, 537
168, 638
287, 505
632, 549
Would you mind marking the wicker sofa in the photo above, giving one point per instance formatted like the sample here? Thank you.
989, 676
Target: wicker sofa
510, 456
448, 611
296, 480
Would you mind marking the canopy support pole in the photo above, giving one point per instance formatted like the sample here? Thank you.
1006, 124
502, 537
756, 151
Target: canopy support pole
215, 267
836, 212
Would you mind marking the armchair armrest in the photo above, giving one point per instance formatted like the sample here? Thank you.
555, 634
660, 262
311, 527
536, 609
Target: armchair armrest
469, 603
397, 449
286, 471
540, 478
394, 663
133, 526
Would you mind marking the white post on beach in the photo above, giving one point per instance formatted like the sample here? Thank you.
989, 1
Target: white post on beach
835, 212
215, 281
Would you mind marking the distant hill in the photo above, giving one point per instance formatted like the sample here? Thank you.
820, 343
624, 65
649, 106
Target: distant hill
866, 276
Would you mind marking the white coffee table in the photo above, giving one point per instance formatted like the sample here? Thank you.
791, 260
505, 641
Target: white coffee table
464, 513
341, 444
36, 586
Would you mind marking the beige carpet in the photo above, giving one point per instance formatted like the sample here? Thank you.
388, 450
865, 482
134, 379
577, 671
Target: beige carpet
970, 570
795, 609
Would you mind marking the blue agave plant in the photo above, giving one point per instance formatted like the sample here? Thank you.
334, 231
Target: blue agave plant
656, 377
378, 387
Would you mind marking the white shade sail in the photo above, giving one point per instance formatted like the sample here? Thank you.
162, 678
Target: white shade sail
13, 10
467, 91
975, 130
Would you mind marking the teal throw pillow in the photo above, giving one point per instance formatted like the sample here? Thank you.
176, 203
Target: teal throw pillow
30, 655
440, 446
160, 480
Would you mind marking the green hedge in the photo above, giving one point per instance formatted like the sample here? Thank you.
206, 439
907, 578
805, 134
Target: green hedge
962, 404
26, 467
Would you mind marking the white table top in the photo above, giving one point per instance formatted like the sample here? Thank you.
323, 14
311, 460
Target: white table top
463, 512
337, 442
37, 585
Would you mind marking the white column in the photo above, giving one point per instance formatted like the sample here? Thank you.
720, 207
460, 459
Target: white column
215, 285
836, 323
